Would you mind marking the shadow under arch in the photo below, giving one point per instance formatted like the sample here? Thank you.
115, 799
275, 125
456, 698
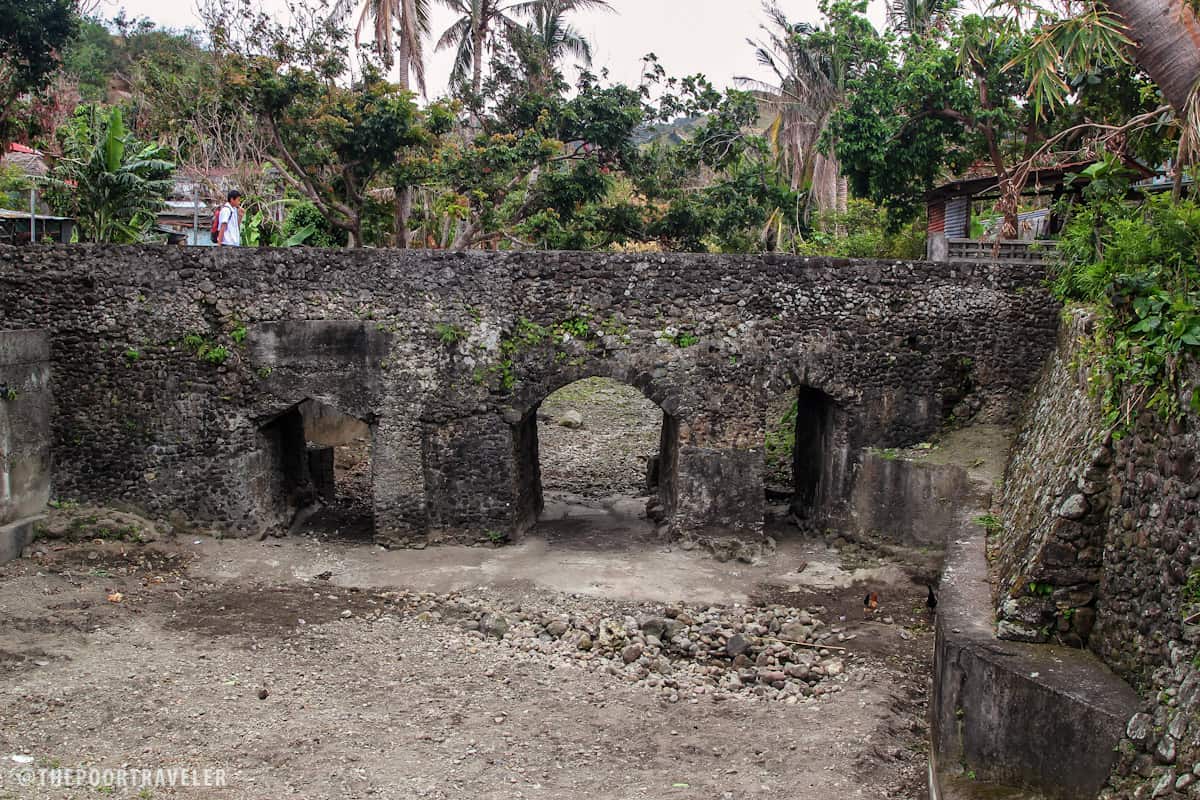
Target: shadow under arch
299, 475
808, 431
661, 473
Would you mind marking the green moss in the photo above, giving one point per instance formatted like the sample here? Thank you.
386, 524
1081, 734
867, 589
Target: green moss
685, 339
448, 333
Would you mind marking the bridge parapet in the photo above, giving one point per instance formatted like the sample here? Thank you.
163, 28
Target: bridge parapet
174, 365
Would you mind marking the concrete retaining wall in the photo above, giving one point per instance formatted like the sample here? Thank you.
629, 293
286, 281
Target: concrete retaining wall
907, 503
24, 436
1008, 714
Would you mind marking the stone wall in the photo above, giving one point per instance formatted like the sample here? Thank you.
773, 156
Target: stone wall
179, 362
1101, 547
1054, 504
25, 465
1147, 625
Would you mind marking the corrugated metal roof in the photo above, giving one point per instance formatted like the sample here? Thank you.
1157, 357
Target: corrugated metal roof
8, 213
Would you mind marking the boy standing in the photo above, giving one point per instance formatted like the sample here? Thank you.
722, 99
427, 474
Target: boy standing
229, 234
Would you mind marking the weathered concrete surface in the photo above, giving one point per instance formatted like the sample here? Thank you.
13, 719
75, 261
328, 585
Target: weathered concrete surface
24, 436
1041, 717
906, 502
181, 367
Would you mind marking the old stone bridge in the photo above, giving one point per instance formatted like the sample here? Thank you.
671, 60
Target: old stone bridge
177, 374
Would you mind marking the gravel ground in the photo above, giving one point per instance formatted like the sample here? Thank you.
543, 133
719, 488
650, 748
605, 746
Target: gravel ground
115, 653
607, 455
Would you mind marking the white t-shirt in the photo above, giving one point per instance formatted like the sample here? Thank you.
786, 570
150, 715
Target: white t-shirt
232, 220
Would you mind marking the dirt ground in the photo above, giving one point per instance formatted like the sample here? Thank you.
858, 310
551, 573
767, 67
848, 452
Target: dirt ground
321, 666
148, 655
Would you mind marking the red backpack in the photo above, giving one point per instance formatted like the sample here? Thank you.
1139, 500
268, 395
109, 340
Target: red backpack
216, 225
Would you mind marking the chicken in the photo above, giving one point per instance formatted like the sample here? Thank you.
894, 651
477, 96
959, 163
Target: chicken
870, 604
930, 599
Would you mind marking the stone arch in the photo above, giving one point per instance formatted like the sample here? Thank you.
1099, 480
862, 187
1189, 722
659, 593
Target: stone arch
819, 427
528, 400
295, 474
531, 393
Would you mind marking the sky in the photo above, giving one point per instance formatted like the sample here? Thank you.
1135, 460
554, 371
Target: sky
688, 36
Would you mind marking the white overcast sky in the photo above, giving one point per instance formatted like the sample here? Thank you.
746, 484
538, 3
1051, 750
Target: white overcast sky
689, 36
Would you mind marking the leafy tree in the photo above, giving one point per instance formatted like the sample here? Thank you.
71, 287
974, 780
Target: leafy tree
537, 152
330, 143
304, 216
112, 184
91, 60
927, 107
333, 138
917, 18
32, 36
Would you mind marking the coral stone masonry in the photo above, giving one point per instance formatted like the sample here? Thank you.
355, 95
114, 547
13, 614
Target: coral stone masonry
180, 374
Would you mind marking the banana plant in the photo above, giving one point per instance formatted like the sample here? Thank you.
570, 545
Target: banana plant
112, 184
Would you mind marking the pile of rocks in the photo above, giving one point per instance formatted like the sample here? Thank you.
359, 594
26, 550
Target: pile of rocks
773, 653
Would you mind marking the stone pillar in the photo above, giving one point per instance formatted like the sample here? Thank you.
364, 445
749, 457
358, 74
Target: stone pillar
717, 480
398, 478
719, 493
471, 478
24, 436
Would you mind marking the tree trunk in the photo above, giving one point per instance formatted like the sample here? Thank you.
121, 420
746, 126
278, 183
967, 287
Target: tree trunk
479, 34
824, 187
404, 57
1167, 34
403, 211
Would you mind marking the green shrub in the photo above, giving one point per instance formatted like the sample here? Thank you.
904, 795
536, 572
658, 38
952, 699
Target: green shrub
1139, 264
863, 231
303, 215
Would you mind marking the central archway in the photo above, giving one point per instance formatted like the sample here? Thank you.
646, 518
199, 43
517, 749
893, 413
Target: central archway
596, 444
319, 470
804, 457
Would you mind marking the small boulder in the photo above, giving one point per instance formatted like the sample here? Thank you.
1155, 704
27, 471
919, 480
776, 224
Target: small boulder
572, 419
655, 626
1074, 507
493, 625
737, 645
795, 632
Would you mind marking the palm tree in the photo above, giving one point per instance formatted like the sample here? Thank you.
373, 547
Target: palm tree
400, 27
916, 17
481, 20
112, 184
472, 31
1167, 33
807, 89
549, 37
